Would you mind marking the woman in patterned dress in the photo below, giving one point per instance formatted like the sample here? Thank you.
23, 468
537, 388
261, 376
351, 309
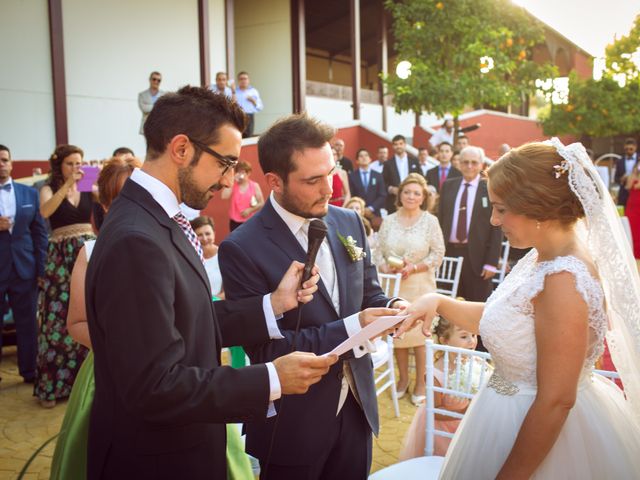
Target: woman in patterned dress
69, 213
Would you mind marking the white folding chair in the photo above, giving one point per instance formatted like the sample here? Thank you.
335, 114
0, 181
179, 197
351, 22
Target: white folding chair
460, 384
383, 356
448, 276
503, 263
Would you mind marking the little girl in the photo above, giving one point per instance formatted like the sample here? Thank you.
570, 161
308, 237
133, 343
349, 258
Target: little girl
443, 333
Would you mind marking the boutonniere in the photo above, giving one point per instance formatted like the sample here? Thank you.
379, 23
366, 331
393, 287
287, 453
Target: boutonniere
355, 252
373, 182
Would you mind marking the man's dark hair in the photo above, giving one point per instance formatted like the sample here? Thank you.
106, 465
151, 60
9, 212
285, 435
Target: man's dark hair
290, 135
383, 146
631, 141
422, 149
361, 150
221, 73
154, 73
398, 137
445, 143
201, 221
196, 112
243, 73
122, 151
4, 148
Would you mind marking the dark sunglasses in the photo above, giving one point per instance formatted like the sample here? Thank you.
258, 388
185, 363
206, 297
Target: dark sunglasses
154, 79
227, 163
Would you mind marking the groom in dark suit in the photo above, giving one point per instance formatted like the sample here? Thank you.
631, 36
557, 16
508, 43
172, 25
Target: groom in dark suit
23, 251
161, 397
464, 213
325, 434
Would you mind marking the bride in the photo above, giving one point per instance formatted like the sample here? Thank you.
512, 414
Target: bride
544, 414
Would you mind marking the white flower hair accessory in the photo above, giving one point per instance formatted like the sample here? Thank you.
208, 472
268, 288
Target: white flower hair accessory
561, 168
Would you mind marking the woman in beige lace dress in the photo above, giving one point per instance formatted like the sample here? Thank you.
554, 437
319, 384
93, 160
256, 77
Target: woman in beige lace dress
410, 242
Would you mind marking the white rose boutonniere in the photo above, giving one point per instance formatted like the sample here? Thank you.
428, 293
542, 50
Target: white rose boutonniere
355, 252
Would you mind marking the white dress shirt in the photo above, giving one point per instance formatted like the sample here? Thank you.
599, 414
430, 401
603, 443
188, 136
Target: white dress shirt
8, 202
169, 203
402, 163
440, 136
376, 166
629, 163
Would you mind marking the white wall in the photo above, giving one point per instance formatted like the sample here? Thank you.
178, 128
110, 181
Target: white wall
337, 112
217, 38
26, 93
263, 48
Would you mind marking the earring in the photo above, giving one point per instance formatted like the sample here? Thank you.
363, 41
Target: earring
537, 225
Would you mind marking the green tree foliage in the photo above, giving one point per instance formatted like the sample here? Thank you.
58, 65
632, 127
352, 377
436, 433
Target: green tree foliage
445, 41
606, 107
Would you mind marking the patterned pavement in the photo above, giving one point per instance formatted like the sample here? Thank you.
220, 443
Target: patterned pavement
25, 426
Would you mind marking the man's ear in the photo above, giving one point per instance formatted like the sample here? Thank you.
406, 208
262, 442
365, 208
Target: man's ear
180, 150
274, 182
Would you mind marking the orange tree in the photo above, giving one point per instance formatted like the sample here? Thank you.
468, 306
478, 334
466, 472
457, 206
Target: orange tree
606, 107
464, 53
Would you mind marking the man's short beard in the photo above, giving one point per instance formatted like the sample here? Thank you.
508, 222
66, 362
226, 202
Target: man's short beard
191, 196
290, 206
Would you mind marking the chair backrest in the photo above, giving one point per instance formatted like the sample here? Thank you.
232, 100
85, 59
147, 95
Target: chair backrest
470, 371
503, 263
448, 276
390, 283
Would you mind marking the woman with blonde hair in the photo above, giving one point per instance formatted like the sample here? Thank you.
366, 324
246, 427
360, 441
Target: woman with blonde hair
544, 413
410, 242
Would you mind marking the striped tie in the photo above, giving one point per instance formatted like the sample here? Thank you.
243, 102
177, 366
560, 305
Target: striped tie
185, 226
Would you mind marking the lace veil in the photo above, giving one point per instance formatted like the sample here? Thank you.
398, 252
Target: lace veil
602, 232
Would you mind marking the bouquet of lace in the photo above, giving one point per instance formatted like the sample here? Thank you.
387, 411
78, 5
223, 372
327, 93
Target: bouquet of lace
470, 376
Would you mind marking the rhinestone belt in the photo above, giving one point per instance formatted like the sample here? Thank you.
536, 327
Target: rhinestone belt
502, 386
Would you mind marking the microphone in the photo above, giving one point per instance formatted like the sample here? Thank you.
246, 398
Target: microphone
317, 232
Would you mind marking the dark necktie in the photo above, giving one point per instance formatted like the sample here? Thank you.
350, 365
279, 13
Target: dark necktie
443, 176
6, 186
365, 179
461, 231
184, 224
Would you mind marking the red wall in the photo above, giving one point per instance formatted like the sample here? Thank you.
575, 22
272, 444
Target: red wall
24, 168
495, 130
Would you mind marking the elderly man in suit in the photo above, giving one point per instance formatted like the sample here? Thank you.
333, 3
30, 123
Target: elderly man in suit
397, 169
327, 432
436, 176
23, 251
624, 167
162, 398
367, 184
148, 97
464, 213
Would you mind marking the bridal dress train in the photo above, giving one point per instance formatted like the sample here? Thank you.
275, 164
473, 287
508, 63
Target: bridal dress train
600, 438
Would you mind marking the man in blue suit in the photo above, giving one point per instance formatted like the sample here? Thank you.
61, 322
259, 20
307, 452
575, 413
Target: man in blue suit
23, 250
325, 433
367, 184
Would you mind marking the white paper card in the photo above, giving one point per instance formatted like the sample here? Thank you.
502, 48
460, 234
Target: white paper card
367, 333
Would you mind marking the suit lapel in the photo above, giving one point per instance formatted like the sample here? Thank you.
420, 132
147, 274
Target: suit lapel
20, 200
451, 200
339, 258
476, 213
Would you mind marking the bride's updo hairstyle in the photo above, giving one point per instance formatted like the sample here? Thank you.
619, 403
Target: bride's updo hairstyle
525, 180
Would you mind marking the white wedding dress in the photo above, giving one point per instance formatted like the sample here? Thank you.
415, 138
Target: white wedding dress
600, 438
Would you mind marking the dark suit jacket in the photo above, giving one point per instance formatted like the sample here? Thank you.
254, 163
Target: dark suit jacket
26, 246
346, 164
621, 171
307, 421
161, 395
376, 192
391, 178
484, 239
433, 176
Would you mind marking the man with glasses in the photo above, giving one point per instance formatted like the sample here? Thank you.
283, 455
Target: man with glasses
464, 213
147, 98
161, 397
624, 167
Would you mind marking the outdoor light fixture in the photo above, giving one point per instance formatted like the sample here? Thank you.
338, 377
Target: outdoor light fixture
486, 64
403, 69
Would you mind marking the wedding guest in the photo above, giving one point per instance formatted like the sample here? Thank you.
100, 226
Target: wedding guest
462, 142
249, 100
340, 183
344, 162
148, 97
204, 228
444, 133
221, 87
69, 212
70, 456
396, 170
383, 155
436, 176
358, 205
23, 249
245, 194
410, 242
624, 167
632, 210
367, 184
442, 333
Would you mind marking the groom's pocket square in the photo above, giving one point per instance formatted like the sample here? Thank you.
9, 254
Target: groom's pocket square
28, 205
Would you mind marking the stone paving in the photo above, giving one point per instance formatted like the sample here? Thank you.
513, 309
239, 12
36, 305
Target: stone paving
25, 426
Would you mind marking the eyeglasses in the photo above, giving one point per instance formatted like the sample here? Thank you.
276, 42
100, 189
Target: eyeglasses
227, 163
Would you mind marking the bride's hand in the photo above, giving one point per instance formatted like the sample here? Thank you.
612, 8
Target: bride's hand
424, 308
